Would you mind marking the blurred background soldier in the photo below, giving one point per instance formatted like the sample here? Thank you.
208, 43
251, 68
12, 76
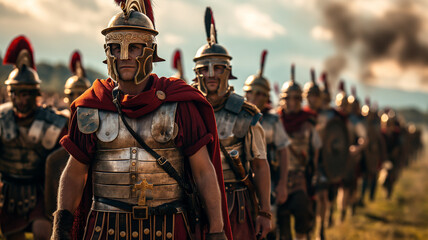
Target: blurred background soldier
29, 133
350, 108
333, 155
392, 134
75, 86
300, 126
374, 154
257, 92
177, 64
242, 140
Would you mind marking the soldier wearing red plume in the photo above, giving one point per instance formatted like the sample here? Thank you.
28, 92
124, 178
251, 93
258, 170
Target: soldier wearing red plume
77, 84
242, 139
143, 148
28, 133
257, 91
177, 64
304, 148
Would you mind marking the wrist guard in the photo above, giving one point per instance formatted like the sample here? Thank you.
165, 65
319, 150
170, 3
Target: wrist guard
63, 222
216, 236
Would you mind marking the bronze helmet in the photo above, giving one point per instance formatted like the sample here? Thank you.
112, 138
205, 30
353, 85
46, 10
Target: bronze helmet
311, 88
135, 24
353, 101
24, 76
257, 82
78, 83
290, 86
210, 55
342, 97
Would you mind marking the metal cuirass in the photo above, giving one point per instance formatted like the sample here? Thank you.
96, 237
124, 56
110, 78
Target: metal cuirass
233, 123
268, 123
121, 165
23, 149
300, 142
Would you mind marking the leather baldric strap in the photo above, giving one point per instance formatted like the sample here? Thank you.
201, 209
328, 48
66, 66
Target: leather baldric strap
162, 161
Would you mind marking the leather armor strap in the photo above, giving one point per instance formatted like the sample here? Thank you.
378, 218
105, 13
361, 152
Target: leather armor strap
162, 161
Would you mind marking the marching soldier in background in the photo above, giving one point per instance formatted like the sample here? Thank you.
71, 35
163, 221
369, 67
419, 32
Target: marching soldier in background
29, 133
374, 154
300, 126
75, 86
349, 106
392, 135
137, 144
242, 140
257, 92
177, 64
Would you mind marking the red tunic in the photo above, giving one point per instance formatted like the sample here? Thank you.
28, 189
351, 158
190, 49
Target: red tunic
195, 120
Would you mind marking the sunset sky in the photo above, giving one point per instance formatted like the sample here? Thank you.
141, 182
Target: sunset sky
377, 45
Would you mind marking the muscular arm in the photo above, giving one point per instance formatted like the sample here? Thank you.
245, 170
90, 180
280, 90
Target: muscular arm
206, 180
281, 188
71, 185
261, 171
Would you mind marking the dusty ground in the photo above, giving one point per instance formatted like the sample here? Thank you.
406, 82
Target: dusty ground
404, 216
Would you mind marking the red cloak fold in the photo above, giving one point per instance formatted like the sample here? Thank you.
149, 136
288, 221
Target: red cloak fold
293, 121
100, 96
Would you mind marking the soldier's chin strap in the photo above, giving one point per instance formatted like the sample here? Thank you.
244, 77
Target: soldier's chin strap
162, 161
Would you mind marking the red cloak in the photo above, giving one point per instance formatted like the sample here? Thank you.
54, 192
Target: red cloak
293, 121
175, 90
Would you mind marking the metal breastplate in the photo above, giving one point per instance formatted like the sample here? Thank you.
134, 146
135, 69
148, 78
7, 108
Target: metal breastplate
233, 123
300, 141
23, 149
123, 171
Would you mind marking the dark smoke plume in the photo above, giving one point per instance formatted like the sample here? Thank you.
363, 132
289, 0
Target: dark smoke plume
395, 35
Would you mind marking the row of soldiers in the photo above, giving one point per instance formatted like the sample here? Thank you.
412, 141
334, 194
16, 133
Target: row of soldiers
148, 157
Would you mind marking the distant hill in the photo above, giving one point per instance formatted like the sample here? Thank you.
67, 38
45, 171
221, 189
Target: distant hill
53, 76
414, 115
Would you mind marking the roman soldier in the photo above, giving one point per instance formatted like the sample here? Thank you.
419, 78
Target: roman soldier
29, 133
143, 148
374, 154
392, 135
242, 140
177, 64
333, 157
257, 91
349, 106
75, 86
300, 126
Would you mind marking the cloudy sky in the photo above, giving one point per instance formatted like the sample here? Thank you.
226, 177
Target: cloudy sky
378, 45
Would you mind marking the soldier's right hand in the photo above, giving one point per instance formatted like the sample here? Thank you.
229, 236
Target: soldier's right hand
63, 222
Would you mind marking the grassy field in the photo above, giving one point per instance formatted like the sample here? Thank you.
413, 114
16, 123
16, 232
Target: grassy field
404, 216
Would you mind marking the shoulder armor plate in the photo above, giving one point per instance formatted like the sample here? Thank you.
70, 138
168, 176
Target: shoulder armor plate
243, 123
88, 120
234, 103
270, 118
7, 121
109, 126
164, 127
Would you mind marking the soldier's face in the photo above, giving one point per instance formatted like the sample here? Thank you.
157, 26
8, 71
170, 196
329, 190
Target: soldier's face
212, 80
127, 68
257, 98
24, 101
314, 101
293, 102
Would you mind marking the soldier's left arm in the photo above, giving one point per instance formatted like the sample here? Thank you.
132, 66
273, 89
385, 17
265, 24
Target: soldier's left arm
206, 180
256, 153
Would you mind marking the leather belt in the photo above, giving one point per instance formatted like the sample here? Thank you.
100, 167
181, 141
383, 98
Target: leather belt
142, 212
